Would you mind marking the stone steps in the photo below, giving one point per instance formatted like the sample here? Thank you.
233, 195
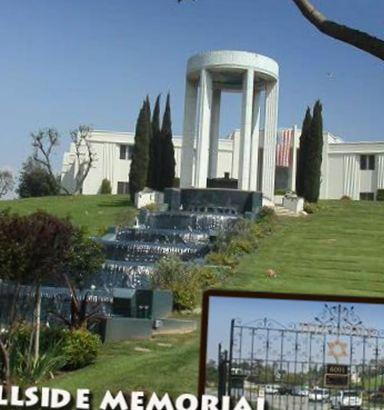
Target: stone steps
281, 211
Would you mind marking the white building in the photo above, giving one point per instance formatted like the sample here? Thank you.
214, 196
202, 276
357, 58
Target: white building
257, 157
355, 169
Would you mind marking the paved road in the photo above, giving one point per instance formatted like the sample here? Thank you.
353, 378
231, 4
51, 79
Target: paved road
288, 402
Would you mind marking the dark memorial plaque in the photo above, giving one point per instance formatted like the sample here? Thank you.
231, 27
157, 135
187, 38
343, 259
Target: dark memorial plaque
336, 375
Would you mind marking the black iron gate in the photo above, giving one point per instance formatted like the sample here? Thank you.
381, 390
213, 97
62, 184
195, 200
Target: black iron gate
333, 361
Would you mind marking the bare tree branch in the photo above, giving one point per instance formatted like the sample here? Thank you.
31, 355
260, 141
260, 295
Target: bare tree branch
356, 38
85, 157
44, 142
359, 39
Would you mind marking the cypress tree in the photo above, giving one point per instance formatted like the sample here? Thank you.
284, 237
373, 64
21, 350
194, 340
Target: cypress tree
155, 149
314, 156
167, 151
301, 160
138, 172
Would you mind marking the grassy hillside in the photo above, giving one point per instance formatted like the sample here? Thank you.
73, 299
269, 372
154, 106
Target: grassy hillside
165, 364
95, 212
337, 251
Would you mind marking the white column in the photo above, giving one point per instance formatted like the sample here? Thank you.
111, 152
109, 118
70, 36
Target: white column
324, 177
189, 129
380, 171
204, 125
214, 134
295, 139
270, 136
253, 169
245, 132
351, 176
235, 154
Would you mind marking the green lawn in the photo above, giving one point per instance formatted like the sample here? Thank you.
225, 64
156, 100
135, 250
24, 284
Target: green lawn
339, 250
95, 212
170, 366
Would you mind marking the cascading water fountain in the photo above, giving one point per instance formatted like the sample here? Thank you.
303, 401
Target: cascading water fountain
186, 230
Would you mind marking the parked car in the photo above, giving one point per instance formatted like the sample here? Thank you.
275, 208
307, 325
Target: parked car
318, 394
377, 397
300, 391
285, 390
272, 389
347, 399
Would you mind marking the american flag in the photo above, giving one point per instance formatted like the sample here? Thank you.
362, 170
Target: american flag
284, 148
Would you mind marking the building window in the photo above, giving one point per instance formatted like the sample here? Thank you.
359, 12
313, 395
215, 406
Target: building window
367, 196
367, 162
122, 188
126, 151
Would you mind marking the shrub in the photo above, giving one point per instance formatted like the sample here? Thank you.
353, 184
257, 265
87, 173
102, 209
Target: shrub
222, 259
176, 182
81, 348
380, 195
345, 198
153, 207
106, 187
24, 368
266, 211
185, 280
310, 207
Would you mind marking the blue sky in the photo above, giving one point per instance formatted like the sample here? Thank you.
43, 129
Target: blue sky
67, 62
223, 309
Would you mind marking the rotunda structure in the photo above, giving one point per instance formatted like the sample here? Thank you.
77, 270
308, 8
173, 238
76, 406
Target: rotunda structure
257, 78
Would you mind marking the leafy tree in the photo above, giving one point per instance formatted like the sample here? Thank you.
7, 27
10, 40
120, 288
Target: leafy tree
356, 38
36, 181
138, 173
6, 182
168, 151
32, 249
301, 160
13, 254
49, 245
314, 156
40, 249
154, 166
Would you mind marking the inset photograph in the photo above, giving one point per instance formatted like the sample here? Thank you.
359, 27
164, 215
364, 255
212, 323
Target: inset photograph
294, 352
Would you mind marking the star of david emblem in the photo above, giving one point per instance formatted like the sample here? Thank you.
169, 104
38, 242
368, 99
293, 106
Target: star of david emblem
337, 349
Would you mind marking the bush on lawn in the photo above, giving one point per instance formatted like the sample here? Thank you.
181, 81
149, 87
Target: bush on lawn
185, 280
25, 369
380, 195
106, 187
244, 238
81, 348
63, 349
310, 207
345, 198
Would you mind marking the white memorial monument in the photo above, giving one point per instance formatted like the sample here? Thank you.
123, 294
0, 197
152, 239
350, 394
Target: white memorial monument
257, 78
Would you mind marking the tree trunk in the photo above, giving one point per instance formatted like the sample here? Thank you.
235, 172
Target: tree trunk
6, 366
37, 322
13, 315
